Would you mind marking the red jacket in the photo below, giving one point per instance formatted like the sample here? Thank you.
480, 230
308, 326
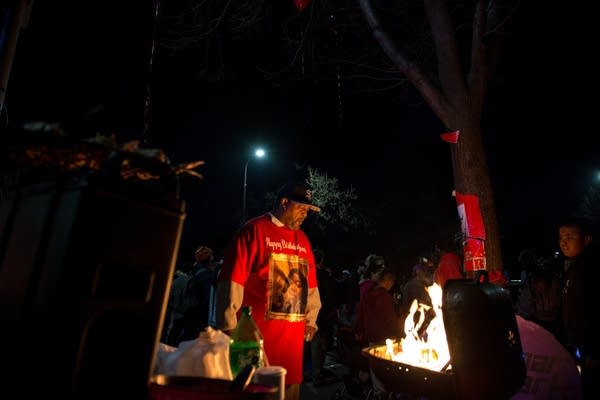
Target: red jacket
449, 267
376, 318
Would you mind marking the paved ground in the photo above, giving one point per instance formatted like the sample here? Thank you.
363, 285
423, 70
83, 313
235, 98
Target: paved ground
308, 391
335, 388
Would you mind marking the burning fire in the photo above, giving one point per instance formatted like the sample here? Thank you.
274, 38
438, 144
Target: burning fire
427, 351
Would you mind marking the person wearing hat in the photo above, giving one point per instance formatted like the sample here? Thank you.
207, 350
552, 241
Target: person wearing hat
265, 250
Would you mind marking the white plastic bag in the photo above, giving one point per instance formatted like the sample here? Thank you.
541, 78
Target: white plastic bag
207, 357
162, 357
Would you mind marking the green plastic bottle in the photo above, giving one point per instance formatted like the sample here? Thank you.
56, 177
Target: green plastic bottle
246, 343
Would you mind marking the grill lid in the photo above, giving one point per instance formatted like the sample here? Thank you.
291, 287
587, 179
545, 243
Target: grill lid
483, 339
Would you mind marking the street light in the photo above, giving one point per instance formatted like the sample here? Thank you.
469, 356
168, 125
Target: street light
258, 153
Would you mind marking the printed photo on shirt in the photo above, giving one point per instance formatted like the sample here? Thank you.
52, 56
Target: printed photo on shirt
288, 287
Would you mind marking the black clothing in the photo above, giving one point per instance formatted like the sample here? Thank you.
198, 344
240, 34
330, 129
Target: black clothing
326, 321
415, 288
580, 303
330, 299
198, 292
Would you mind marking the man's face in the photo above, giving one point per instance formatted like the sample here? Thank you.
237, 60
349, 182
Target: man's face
203, 255
572, 241
294, 214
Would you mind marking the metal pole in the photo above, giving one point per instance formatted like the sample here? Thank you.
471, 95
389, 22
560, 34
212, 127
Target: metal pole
244, 195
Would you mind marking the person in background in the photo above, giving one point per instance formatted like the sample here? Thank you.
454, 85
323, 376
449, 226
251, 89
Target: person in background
580, 301
185, 297
376, 320
327, 320
519, 291
373, 265
199, 293
527, 264
203, 256
449, 266
273, 242
416, 288
540, 298
349, 295
172, 325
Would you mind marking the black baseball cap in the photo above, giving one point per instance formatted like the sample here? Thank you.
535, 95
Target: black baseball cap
298, 192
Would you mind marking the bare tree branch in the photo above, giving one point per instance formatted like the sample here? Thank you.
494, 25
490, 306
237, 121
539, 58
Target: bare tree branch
418, 78
444, 38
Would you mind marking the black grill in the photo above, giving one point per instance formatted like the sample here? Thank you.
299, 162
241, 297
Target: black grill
487, 360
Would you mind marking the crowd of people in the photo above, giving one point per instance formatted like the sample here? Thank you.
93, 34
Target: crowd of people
559, 294
307, 309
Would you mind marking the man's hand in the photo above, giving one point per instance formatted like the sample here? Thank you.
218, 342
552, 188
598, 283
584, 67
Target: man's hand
309, 332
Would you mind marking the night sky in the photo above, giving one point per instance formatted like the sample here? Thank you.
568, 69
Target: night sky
88, 67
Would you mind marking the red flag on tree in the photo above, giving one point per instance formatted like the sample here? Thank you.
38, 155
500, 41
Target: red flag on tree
450, 137
300, 4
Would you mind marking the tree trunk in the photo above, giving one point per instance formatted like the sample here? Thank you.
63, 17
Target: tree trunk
456, 98
471, 176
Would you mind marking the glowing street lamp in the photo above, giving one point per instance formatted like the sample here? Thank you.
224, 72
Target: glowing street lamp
258, 153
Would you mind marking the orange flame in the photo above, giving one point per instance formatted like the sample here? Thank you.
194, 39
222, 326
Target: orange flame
431, 353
